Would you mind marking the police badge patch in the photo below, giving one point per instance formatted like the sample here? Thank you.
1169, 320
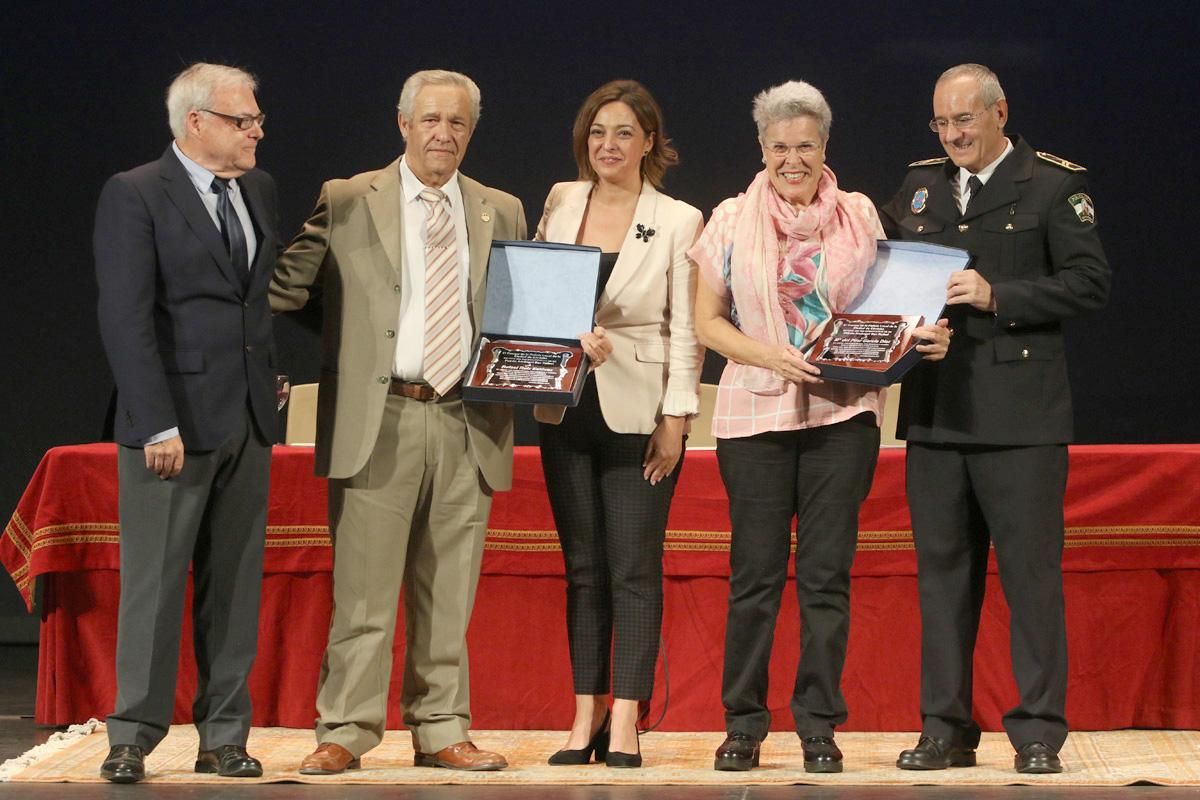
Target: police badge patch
1082, 205
920, 196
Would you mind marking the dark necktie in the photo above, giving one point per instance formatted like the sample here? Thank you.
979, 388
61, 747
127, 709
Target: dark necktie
231, 226
974, 186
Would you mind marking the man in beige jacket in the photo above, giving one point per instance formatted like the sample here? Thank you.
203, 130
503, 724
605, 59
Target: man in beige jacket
401, 254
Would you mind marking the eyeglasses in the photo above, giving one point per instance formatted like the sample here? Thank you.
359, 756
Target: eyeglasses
961, 122
804, 148
242, 123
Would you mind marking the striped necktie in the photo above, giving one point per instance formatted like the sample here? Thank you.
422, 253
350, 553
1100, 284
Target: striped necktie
442, 365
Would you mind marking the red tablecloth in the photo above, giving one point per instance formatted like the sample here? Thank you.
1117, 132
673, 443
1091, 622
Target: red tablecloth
1133, 598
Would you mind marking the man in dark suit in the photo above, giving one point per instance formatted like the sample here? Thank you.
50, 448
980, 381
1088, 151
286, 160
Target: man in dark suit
987, 427
184, 251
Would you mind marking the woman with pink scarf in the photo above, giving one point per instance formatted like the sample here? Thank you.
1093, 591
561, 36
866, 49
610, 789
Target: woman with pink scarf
775, 262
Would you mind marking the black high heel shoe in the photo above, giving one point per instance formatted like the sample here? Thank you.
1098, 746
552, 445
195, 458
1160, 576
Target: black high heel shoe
598, 744
616, 758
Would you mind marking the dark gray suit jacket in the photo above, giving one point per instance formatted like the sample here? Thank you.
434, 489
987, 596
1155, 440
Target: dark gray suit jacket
188, 338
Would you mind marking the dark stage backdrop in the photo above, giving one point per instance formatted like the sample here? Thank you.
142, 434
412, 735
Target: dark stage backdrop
1107, 85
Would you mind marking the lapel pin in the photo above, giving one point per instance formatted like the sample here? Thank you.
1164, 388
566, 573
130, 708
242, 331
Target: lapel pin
644, 233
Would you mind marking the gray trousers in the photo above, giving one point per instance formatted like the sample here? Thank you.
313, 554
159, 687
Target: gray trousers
212, 516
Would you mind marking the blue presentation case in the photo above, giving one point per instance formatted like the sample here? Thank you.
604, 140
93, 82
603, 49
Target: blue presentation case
907, 283
540, 297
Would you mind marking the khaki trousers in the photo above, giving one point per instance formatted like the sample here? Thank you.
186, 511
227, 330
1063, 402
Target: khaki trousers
415, 516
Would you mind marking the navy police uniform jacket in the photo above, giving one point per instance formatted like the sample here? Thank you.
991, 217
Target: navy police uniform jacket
1033, 235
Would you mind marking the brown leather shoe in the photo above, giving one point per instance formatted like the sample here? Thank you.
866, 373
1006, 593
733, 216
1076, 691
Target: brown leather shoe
463, 755
329, 759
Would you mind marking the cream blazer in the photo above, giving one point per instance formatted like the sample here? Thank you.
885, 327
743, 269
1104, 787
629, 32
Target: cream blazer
646, 309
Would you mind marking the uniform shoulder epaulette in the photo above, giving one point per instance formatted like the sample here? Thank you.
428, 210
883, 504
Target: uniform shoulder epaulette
929, 162
1060, 162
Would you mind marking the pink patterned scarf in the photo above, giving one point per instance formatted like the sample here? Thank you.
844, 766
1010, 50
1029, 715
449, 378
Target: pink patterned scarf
828, 225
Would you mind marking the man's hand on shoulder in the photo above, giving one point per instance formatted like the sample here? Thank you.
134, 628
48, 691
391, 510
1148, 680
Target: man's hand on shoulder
165, 458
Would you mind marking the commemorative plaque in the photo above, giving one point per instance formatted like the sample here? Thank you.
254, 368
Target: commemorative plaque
508, 364
872, 342
540, 297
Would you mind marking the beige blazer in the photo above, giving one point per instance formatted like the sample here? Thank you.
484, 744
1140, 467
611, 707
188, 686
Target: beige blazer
354, 242
646, 308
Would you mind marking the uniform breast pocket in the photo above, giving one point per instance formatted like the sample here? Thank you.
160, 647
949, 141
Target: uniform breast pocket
1014, 239
921, 226
1028, 347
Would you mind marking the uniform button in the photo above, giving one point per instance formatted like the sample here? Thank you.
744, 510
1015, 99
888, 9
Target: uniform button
396, 288
1012, 324
920, 229
249, 348
383, 379
1024, 354
390, 334
245, 304
963, 228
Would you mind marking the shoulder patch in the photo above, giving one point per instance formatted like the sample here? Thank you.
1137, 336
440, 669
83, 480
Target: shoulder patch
1060, 162
929, 162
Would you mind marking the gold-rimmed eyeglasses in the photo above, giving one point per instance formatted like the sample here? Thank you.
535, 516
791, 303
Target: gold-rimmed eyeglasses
243, 122
960, 122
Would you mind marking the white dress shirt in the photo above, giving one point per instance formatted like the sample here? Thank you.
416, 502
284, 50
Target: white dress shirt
964, 194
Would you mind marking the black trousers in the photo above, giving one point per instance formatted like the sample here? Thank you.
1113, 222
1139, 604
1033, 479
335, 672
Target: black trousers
963, 499
611, 524
213, 516
819, 476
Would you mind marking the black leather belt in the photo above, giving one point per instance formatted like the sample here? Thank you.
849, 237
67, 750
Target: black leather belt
422, 391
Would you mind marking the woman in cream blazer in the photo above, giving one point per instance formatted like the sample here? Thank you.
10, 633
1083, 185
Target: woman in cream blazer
612, 462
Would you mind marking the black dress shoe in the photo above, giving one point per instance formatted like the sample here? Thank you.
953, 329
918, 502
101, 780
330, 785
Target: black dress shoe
821, 754
1036, 758
598, 744
228, 761
738, 753
934, 753
126, 763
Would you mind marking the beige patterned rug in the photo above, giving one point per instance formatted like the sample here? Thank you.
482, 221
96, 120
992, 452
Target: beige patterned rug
1110, 758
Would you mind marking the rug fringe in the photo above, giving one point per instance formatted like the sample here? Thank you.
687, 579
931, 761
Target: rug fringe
60, 740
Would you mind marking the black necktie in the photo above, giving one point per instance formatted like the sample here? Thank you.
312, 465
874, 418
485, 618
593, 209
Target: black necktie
974, 185
231, 226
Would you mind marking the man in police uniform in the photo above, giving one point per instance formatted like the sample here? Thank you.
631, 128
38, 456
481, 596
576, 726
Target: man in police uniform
987, 427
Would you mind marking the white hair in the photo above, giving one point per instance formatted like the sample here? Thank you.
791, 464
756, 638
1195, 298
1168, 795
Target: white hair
989, 84
438, 77
788, 101
193, 90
